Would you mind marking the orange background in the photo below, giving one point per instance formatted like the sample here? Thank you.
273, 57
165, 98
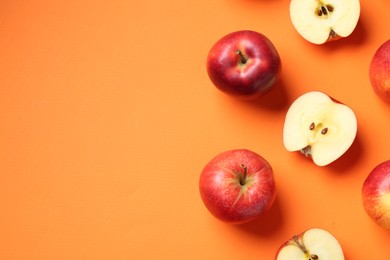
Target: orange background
108, 116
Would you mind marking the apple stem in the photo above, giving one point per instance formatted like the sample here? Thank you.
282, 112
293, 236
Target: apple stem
243, 176
306, 151
242, 57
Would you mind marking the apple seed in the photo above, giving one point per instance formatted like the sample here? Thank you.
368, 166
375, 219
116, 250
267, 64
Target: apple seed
330, 8
324, 10
313, 256
313, 126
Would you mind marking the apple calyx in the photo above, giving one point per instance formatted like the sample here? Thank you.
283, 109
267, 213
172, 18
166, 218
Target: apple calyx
298, 243
242, 178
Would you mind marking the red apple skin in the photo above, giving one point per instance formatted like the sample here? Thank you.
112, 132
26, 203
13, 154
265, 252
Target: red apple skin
227, 199
376, 194
379, 71
249, 80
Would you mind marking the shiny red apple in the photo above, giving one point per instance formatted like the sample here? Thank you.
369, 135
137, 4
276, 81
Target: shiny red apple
379, 71
376, 194
244, 64
237, 186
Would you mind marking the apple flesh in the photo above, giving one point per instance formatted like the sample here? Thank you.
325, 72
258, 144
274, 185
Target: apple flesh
379, 71
244, 64
319, 127
237, 186
313, 244
376, 194
320, 21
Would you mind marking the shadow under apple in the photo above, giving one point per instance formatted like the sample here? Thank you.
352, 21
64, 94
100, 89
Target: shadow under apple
350, 157
357, 38
275, 99
267, 224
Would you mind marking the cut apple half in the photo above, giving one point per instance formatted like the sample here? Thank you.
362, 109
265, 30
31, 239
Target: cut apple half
319, 21
313, 244
319, 127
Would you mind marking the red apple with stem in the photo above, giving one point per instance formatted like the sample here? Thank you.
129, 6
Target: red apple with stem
244, 64
237, 186
376, 194
379, 71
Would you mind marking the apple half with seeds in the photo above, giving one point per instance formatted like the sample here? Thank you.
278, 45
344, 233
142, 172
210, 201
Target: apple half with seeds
313, 244
319, 127
320, 21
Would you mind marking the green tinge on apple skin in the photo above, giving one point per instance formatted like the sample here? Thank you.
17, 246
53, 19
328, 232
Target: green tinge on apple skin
376, 194
379, 71
384, 208
378, 209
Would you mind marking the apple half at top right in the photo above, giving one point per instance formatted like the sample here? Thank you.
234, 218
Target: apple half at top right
319, 127
320, 21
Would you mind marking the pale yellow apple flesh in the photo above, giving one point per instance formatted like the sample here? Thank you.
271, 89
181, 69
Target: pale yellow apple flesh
319, 21
314, 244
319, 127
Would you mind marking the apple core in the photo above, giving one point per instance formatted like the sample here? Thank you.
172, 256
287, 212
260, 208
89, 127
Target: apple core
324, 9
303, 248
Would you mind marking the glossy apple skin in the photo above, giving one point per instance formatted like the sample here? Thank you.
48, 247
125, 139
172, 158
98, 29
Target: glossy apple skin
226, 198
376, 194
379, 71
248, 80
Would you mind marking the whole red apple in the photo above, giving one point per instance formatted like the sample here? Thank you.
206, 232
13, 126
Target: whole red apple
379, 71
244, 64
376, 194
237, 186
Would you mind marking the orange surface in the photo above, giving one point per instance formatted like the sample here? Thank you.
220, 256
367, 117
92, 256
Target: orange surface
108, 116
